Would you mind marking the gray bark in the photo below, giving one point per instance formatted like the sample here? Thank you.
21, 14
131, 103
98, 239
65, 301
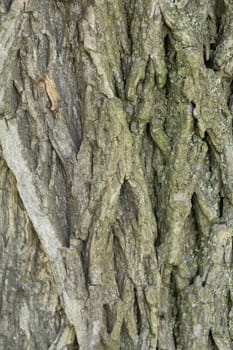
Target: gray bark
116, 174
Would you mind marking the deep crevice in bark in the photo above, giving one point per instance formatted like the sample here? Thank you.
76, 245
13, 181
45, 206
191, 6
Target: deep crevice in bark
137, 312
220, 9
108, 318
212, 343
75, 345
8, 4
119, 265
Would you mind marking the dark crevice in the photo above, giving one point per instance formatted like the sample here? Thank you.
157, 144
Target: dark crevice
20, 68
197, 251
158, 210
209, 54
175, 311
231, 263
229, 304
192, 279
210, 152
85, 264
230, 99
117, 89
108, 317
7, 4
167, 44
170, 52
69, 205
218, 18
205, 280
194, 208
212, 343
209, 62
147, 131
128, 202
119, 265
213, 46
142, 82
174, 334
175, 307
229, 301
137, 312
149, 69
195, 121
65, 177
17, 97
170, 57
129, 16
76, 39
221, 207
167, 87
220, 10
158, 240
46, 49
75, 345
125, 69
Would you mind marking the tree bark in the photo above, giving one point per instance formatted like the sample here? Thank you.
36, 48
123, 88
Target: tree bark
116, 174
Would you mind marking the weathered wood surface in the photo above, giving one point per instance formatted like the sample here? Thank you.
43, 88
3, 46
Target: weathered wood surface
116, 174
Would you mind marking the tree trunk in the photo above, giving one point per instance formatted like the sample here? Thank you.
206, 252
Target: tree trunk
116, 174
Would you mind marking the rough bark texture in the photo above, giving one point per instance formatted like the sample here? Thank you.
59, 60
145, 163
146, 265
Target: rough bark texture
116, 174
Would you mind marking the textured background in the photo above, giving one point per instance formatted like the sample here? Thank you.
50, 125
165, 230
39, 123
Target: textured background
116, 175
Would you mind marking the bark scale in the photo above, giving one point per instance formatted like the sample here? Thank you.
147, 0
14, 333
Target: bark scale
116, 166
